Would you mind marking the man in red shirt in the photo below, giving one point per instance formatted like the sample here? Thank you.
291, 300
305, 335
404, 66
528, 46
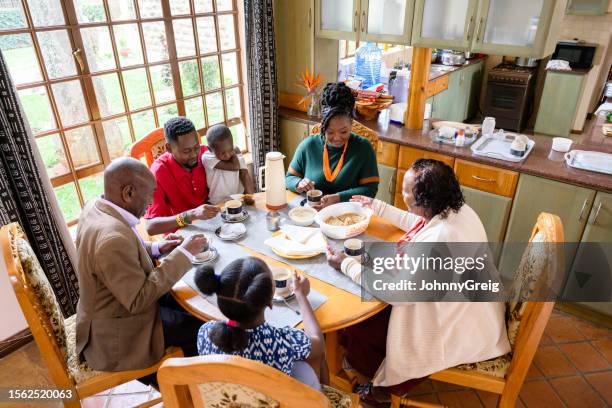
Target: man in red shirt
181, 193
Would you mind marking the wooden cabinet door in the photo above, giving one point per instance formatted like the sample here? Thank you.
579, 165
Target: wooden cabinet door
473, 85
408, 155
558, 103
337, 19
444, 23
294, 30
493, 211
523, 28
386, 187
386, 21
535, 195
590, 276
291, 134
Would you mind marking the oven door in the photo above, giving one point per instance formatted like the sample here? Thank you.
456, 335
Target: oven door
505, 100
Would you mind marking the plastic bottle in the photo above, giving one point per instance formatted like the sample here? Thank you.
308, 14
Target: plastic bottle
368, 60
460, 139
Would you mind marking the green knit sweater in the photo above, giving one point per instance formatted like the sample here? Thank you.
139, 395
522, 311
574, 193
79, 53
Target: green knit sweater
359, 174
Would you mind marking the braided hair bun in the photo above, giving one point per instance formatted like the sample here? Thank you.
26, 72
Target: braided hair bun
337, 100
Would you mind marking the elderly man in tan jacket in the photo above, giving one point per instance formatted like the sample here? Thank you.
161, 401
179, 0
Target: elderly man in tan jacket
125, 319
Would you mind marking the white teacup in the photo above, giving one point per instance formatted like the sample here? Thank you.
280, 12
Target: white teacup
283, 282
354, 248
233, 209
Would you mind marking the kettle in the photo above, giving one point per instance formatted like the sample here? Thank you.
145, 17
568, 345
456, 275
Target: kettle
276, 195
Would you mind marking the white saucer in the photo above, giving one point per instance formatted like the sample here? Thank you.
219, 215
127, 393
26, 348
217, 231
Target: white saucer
280, 299
213, 256
245, 215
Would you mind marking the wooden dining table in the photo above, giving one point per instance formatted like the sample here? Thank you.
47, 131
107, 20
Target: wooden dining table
341, 309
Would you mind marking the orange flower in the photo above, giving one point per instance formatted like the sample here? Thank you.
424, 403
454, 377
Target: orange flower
310, 83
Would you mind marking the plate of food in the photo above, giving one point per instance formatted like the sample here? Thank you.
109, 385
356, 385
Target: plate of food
294, 242
343, 220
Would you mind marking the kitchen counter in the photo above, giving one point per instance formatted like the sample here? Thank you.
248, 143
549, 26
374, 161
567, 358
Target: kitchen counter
540, 162
435, 72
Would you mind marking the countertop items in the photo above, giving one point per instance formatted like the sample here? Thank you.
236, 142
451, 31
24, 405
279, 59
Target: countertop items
538, 163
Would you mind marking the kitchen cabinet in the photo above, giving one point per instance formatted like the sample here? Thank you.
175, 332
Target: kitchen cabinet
388, 21
558, 104
291, 134
533, 196
493, 210
472, 84
444, 23
486, 178
386, 187
297, 48
459, 101
587, 7
590, 277
522, 28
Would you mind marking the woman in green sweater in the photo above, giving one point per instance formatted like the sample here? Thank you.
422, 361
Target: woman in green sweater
339, 163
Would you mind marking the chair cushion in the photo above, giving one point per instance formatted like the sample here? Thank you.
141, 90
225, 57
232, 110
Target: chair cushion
337, 398
223, 394
39, 285
78, 371
496, 367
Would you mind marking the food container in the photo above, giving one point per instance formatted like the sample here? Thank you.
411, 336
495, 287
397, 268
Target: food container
450, 57
561, 144
343, 232
526, 62
302, 221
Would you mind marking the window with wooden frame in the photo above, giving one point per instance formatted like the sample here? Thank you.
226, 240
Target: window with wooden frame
94, 76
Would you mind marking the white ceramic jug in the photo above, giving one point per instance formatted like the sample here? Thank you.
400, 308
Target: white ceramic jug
276, 195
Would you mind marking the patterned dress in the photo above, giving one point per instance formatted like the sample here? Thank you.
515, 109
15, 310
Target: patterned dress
276, 347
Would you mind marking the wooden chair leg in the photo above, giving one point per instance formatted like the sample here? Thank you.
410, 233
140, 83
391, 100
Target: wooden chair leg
149, 403
396, 401
72, 404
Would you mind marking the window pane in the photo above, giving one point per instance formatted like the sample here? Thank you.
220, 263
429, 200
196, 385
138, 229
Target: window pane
225, 5
214, 108
121, 10
89, 11
203, 6
20, 57
230, 69
92, 186
35, 102
178, 7
82, 146
210, 73
57, 53
163, 88
183, 35
190, 80
155, 41
207, 38
143, 123
70, 102
232, 103
117, 135
53, 155
150, 8
194, 109
227, 32
136, 88
108, 94
11, 15
68, 201
166, 112
239, 136
46, 12
98, 48
127, 41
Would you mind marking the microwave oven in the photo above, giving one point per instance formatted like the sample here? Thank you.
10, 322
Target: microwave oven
579, 55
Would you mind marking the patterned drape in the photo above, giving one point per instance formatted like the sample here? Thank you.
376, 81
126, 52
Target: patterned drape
261, 69
26, 198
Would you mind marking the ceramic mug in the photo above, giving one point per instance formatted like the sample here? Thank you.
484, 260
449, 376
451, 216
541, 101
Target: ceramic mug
313, 197
233, 209
354, 248
283, 285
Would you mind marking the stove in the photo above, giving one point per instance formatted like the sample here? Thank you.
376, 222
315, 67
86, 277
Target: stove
509, 95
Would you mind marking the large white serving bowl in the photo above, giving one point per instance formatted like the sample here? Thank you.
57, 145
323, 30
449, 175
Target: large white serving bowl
337, 232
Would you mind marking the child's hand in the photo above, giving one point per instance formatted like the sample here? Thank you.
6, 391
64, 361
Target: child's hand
301, 285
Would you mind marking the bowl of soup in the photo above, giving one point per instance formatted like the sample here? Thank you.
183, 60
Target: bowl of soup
343, 220
302, 216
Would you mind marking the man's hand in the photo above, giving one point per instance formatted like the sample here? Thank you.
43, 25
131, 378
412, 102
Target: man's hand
194, 244
170, 242
301, 285
204, 212
329, 199
305, 185
335, 258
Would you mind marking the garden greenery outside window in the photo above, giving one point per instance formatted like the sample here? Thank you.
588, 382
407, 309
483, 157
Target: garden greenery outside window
94, 76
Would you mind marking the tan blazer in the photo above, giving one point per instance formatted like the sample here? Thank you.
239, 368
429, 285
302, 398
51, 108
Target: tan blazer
118, 322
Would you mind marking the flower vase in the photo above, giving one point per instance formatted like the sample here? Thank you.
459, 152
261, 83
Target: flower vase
314, 107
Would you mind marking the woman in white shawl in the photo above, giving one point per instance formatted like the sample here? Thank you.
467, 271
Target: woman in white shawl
409, 341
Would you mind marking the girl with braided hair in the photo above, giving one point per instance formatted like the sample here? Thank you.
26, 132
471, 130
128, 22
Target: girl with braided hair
339, 163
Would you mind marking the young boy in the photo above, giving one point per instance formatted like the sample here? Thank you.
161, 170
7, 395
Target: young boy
226, 171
